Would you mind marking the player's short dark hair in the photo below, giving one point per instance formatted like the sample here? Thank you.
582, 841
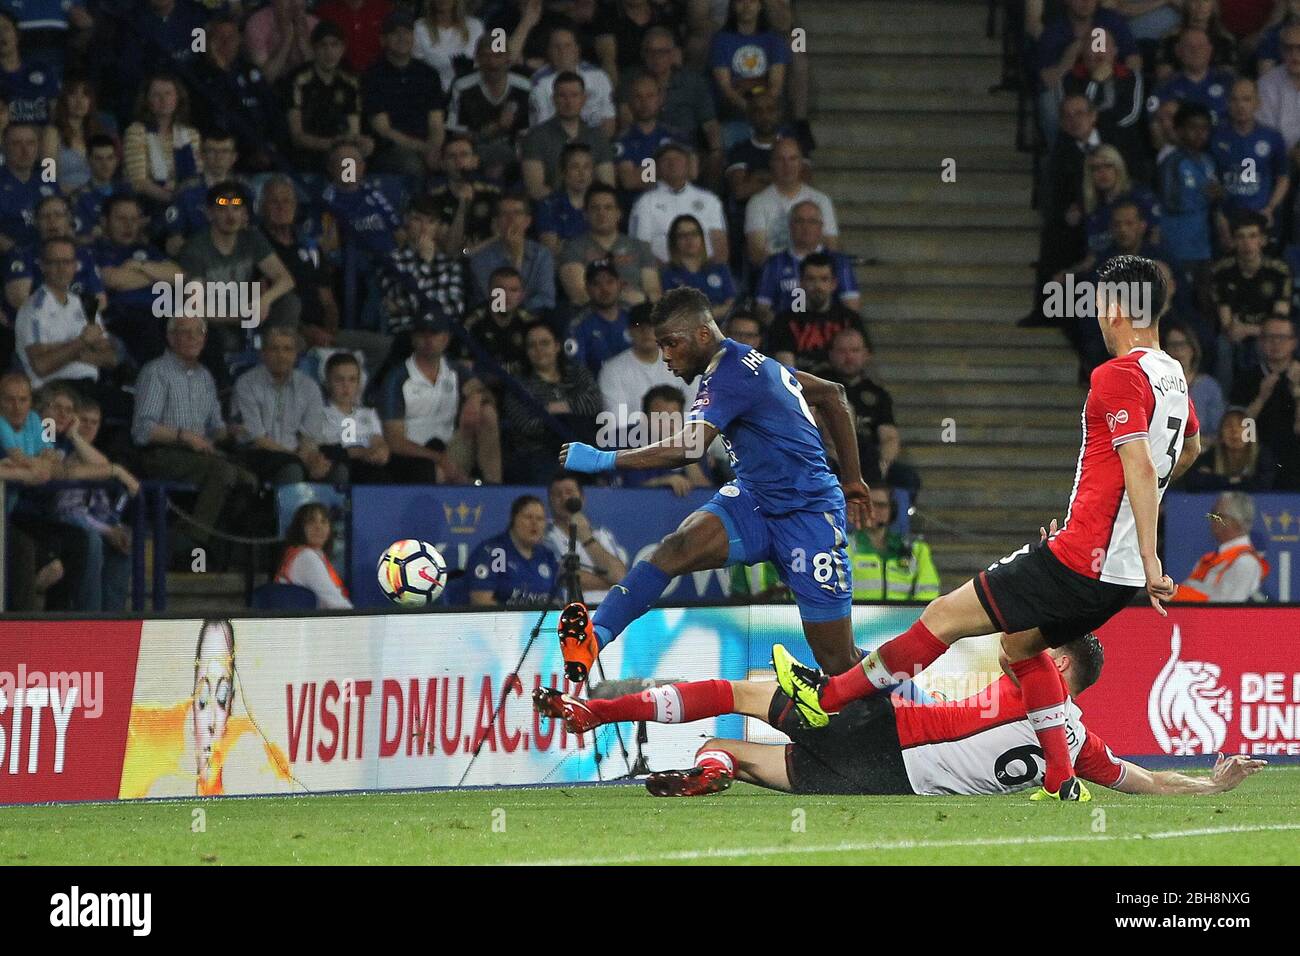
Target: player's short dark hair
340, 358
1188, 111
1131, 270
1245, 218
568, 76
599, 189
683, 303
663, 393
1087, 657
817, 260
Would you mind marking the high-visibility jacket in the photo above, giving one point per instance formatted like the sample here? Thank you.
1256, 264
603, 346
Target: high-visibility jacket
903, 571
1210, 570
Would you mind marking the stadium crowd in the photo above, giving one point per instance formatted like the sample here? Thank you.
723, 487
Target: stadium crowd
1172, 130
363, 241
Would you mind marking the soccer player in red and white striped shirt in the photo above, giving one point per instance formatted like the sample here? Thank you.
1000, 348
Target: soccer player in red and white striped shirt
1139, 433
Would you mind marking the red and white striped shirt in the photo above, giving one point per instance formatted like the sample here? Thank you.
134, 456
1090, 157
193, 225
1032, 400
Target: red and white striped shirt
1139, 395
985, 744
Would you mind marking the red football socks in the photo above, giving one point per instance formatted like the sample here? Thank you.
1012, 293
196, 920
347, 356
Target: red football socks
670, 704
908, 654
1044, 696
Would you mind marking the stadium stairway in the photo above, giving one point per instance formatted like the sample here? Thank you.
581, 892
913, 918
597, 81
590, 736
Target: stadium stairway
946, 267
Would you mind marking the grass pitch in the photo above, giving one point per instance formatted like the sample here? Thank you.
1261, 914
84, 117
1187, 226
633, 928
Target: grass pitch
1259, 824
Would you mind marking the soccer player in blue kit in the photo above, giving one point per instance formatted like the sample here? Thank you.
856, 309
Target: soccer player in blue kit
785, 505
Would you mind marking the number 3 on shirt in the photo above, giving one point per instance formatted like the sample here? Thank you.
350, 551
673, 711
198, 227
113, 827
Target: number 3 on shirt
793, 385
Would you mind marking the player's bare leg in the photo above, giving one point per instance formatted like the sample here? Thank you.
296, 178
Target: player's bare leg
832, 644
699, 544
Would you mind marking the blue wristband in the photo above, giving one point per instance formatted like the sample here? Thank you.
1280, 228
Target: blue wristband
589, 460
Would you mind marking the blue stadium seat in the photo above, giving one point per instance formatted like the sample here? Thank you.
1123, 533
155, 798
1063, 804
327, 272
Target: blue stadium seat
283, 597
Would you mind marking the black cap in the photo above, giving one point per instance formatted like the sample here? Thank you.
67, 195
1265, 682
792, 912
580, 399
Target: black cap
397, 20
434, 320
599, 266
327, 28
229, 189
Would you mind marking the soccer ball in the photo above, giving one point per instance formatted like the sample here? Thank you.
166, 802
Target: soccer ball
412, 573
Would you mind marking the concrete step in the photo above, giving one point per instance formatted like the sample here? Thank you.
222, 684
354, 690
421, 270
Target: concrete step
949, 132
958, 331
1047, 500
1011, 519
1005, 435
934, 47
942, 246
986, 354
916, 102
928, 275
970, 454
992, 158
852, 71
926, 370
927, 417
181, 583
867, 17
956, 397
869, 213
1000, 190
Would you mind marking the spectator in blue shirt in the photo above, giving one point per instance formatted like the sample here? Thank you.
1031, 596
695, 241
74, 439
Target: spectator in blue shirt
129, 267
1189, 189
745, 56
512, 247
1061, 43
356, 210
780, 275
560, 216
602, 331
1196, 82
29, 85
53, 221
1251, 159
105, 163
514, 568
689, 265
21, 187
643, 137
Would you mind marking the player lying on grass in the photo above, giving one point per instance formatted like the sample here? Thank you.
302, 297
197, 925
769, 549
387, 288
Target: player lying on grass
887, 744
1140, 432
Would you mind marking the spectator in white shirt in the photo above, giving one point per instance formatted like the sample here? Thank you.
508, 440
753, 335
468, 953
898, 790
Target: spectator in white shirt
601, 562
53, 337
352, 433
1233, 572
767, 216
1279, 92
563, 55
445, 35
306, 563
626, 377
677, 196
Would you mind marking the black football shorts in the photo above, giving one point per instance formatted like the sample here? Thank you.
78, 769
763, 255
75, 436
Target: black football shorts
857, 753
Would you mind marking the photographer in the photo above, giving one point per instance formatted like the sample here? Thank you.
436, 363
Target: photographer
602, 562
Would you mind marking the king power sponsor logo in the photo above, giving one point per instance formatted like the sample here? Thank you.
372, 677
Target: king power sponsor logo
1193, 709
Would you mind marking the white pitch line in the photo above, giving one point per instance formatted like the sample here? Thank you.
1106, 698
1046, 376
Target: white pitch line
739, 852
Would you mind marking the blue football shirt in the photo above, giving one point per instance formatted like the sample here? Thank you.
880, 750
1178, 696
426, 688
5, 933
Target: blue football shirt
768, 430
497, 566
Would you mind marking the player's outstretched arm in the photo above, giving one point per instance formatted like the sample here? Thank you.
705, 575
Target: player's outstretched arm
1140, 483
688, 445
1228, 774
832, 403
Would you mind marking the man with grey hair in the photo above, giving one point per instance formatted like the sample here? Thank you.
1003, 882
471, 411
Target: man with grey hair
280, 412
178, 422
1279, 92
1233, 572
